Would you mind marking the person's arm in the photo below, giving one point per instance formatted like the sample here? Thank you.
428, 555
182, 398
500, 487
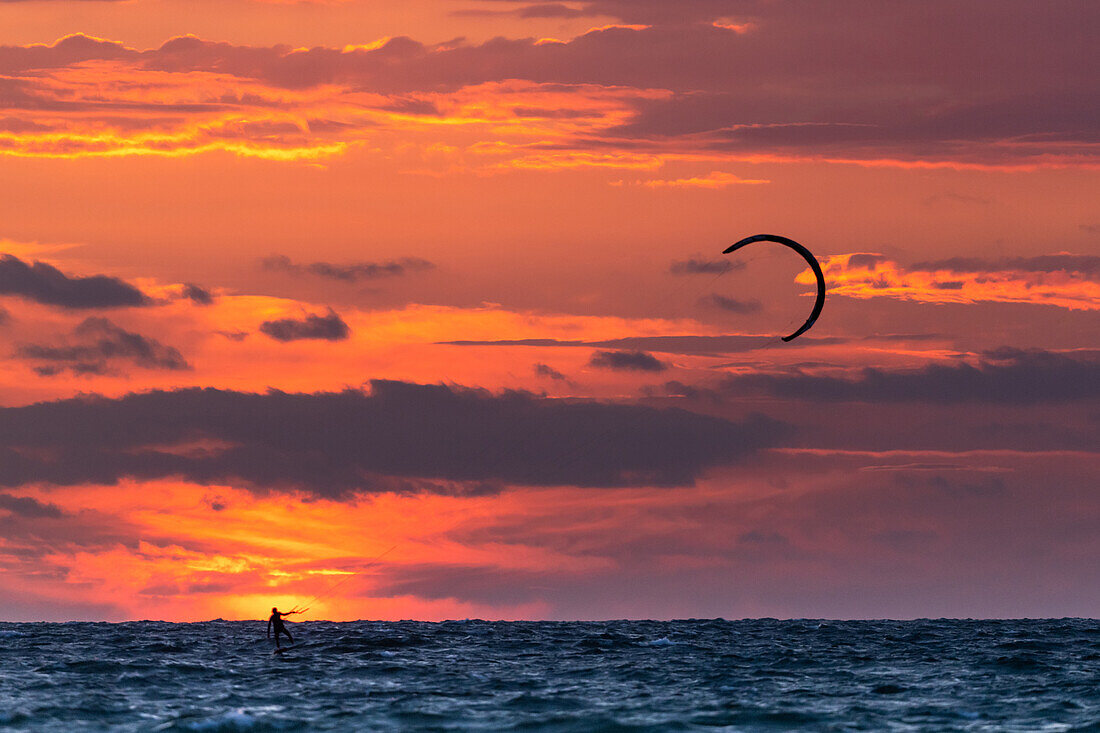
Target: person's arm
290, 612
269, 628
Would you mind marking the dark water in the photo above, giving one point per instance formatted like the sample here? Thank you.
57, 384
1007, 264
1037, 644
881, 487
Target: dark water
611, 676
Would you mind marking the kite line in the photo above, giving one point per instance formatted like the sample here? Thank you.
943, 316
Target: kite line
327, 592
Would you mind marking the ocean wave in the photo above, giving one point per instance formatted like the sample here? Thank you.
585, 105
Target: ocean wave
615, 676
236, 721
663, 641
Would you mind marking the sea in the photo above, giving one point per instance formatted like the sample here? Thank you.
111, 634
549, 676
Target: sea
692, 675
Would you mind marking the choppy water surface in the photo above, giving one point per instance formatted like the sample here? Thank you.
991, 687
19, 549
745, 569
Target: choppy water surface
608, 676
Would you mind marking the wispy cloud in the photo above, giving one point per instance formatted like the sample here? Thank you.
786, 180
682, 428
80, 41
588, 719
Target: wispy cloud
732, 305
1004, 376
714, 179
349, 272
698, 265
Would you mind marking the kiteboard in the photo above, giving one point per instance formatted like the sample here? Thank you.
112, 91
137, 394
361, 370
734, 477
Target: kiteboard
281, 649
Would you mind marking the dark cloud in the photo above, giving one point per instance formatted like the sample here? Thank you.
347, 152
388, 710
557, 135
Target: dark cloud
700, 266
16, 125
413, 106
69, 50
46, 284
329, 327
545, 370
550, 10
676, 388
700, 345
351, 272
5, 316
97, 346
25, 506
38, 536
216, 503
1088, 265
518, 342
862, 261
630, 361
656, 11
537, 10
732, 305
556, 114
197, 294
1003, 376
398, 437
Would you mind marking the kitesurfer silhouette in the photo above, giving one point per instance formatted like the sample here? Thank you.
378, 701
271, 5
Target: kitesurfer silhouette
276, 620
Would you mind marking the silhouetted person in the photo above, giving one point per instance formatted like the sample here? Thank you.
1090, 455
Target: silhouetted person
276, 620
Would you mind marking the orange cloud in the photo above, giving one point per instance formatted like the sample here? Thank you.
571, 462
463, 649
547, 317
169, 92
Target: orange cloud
123, 107
183, 552
174, 551
591, 101
714, 179
1064, 281
732, 25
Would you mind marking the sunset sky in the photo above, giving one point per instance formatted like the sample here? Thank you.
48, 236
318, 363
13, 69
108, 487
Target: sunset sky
285, 285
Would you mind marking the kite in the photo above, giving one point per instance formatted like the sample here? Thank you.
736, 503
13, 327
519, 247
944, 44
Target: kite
810, 259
